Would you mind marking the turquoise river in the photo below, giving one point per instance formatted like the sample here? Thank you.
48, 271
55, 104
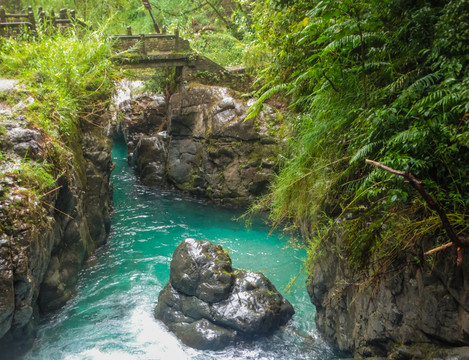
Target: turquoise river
111, 316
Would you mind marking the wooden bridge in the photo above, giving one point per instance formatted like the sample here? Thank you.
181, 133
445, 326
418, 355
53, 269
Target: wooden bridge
133, 50
14, 24
160, 50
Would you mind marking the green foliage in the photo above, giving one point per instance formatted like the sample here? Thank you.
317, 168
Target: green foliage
118, 14
381, 80
215, 28
71, 79
158, 82
68, 76
35, 176
162, 81
223, 49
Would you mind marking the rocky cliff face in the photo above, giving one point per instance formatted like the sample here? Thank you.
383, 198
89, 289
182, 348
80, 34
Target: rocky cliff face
412, 311
46, 238
206, 147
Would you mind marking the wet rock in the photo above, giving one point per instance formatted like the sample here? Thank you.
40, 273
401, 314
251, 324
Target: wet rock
409, 304
142, 115
149, 158
7, 298
203, 270
226, 143
43, 248
204, 335
211, 149
209, 305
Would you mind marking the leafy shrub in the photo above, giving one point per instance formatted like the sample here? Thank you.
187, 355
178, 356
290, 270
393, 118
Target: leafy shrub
385, 81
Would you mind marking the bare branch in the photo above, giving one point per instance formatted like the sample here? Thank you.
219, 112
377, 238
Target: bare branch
439, 248
456, 240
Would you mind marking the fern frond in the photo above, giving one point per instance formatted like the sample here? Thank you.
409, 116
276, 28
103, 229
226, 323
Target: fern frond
365, 151
257, 106
424, 82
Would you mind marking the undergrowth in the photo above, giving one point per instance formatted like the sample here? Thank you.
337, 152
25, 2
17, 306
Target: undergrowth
386, 81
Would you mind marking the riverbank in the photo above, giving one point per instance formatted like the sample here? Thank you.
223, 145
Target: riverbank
55, 164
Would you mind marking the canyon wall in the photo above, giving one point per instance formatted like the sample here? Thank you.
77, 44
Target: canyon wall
204, 145
47, 236
412, 310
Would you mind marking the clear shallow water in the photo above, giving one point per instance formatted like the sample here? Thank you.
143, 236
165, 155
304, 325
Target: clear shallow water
111, 317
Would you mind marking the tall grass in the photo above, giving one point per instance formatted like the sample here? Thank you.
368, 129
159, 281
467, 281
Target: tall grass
71, 79
68, 76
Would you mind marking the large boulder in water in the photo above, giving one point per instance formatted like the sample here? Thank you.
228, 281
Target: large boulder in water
202, 269
208, 304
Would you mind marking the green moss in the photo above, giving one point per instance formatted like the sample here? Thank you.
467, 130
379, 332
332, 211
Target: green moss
35, 176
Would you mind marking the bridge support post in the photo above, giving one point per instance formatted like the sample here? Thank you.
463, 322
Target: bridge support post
63, 14
142, 40
32, 20
2, 19
52, 18
178, 75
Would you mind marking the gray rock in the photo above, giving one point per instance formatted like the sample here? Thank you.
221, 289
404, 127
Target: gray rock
7, 298
39, 267
205, 335
409, 304
208, 305
143, 115
203, 270
149, 158
212, 150
24, 142
254, 307
7, 84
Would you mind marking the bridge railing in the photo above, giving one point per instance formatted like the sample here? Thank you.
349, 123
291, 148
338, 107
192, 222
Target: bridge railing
14, 24
149, 44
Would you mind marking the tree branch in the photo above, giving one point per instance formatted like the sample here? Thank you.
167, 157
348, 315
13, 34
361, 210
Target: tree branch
220, 16
456, 240
439, 248
330, 82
